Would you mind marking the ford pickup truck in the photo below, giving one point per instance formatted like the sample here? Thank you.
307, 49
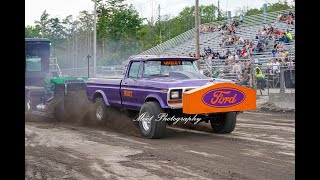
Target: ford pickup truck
154, 87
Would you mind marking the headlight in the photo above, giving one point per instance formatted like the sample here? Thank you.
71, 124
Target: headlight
175, 94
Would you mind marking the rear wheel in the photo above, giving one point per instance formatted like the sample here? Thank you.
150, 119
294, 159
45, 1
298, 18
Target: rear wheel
28, 102
100, 112
150, 126
224, 123
59, 111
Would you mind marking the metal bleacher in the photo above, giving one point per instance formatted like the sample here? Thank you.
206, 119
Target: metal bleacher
185, 43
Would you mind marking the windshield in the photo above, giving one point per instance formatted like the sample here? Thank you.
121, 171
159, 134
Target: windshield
37, 56
163, 68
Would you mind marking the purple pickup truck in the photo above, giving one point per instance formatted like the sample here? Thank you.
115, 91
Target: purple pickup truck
153, 86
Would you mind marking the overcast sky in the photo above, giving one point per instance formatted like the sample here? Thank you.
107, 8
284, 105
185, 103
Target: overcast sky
63, 8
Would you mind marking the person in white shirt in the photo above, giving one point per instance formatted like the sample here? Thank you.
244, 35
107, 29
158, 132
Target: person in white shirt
263, 33
269, 67
236, 57
222, 54
275, 66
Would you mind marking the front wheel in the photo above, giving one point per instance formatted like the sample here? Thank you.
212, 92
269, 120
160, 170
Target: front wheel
224, 123
150, 126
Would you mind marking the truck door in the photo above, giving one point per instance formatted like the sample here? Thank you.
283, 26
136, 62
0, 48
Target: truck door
130, 92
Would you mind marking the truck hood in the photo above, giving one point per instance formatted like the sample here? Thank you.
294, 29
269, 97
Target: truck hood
180, 79
168, 82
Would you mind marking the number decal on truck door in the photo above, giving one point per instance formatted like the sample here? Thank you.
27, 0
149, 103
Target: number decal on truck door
127, 93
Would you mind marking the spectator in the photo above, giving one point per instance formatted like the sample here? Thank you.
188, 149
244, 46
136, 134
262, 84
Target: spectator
264, 40
230, 57
215, 55
239, 77
245, 79
274, 50
291, 14
258, 34
241, 19
275, 66
286, 39
278, 54
284, 55
202, 56
269, 67
228, 53
238, 52
283, 37
243, 52
263, 33
290, 20
223, 54
277, 33
216, 74
241, 40
275, 44
279, 18
209, 51
221, 74
271, 29
210, 59
261, 82
280, 45
236, 56
236, 67
259, 47
289, 35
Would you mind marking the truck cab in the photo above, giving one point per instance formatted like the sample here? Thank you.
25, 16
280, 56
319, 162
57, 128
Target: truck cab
37, 62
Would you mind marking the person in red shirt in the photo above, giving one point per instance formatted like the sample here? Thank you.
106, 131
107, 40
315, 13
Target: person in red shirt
290, 20
244, 50
277, 33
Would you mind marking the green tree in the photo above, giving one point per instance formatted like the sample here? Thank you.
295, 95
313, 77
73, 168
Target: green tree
32, 32
278, 6
44, 23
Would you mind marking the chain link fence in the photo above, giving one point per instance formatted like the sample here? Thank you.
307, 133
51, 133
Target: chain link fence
278, 77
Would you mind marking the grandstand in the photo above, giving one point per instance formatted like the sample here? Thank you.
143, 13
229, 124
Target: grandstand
185, 43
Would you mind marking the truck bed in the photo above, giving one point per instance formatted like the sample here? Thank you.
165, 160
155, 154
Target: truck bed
109, 86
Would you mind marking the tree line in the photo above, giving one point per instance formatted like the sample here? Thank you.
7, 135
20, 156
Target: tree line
121, 32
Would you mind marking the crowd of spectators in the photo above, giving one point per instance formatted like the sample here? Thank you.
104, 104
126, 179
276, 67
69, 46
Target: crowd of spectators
235, 57
286, 17
208, 28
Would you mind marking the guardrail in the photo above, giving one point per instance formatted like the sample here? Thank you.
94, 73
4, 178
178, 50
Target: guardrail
283, 79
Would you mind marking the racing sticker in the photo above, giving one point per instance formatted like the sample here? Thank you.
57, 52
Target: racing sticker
171, 63
218, 97
223, 97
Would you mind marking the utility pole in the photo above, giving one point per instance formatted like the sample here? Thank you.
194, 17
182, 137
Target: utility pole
95, 40
159, 21
219, 14
197, 30
88, 57
76, 59
213, 14
152, 23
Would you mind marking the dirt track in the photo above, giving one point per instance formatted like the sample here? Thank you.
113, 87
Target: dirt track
261, 147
